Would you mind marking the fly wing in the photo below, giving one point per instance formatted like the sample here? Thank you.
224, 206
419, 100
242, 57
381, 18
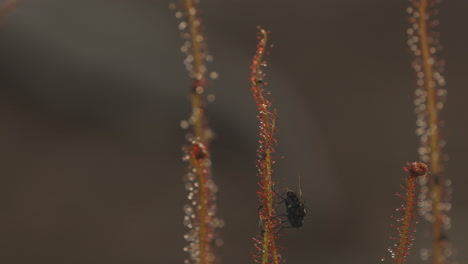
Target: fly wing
300, 189
300, 197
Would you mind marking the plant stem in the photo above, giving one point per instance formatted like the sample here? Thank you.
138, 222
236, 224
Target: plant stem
269, 220
198, 72
201, 235
401, 249
436, 191
427, 63
406, 228
202, 202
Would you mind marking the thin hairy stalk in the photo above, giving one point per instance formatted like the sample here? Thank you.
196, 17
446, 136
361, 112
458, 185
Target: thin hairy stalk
430, 97
200, 214
406, 228
405, 232
198, 74
269, 221
198, 156
432, 111
435, 161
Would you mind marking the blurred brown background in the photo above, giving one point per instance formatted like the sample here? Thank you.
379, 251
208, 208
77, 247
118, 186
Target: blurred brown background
93, 91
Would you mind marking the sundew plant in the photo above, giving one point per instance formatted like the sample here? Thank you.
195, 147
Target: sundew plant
200, 212
430, 97
419, 223
431, 201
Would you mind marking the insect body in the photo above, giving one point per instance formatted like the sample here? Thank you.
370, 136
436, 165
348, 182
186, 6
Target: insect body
295, 210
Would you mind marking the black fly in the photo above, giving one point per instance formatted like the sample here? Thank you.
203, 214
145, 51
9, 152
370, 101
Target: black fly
295, 209
295, 212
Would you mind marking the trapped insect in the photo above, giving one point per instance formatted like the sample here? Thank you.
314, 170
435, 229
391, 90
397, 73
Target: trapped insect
295, 209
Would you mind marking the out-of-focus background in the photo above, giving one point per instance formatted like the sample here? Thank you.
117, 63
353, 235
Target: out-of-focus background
92, 93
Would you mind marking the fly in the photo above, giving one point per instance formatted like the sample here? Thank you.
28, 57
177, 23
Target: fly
295, 209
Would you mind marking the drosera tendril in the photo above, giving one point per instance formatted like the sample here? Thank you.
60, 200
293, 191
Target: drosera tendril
406, 223
416, 169
200, 216
267, 251
430, 95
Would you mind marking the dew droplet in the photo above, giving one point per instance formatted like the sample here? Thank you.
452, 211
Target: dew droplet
214, 75
184, 124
